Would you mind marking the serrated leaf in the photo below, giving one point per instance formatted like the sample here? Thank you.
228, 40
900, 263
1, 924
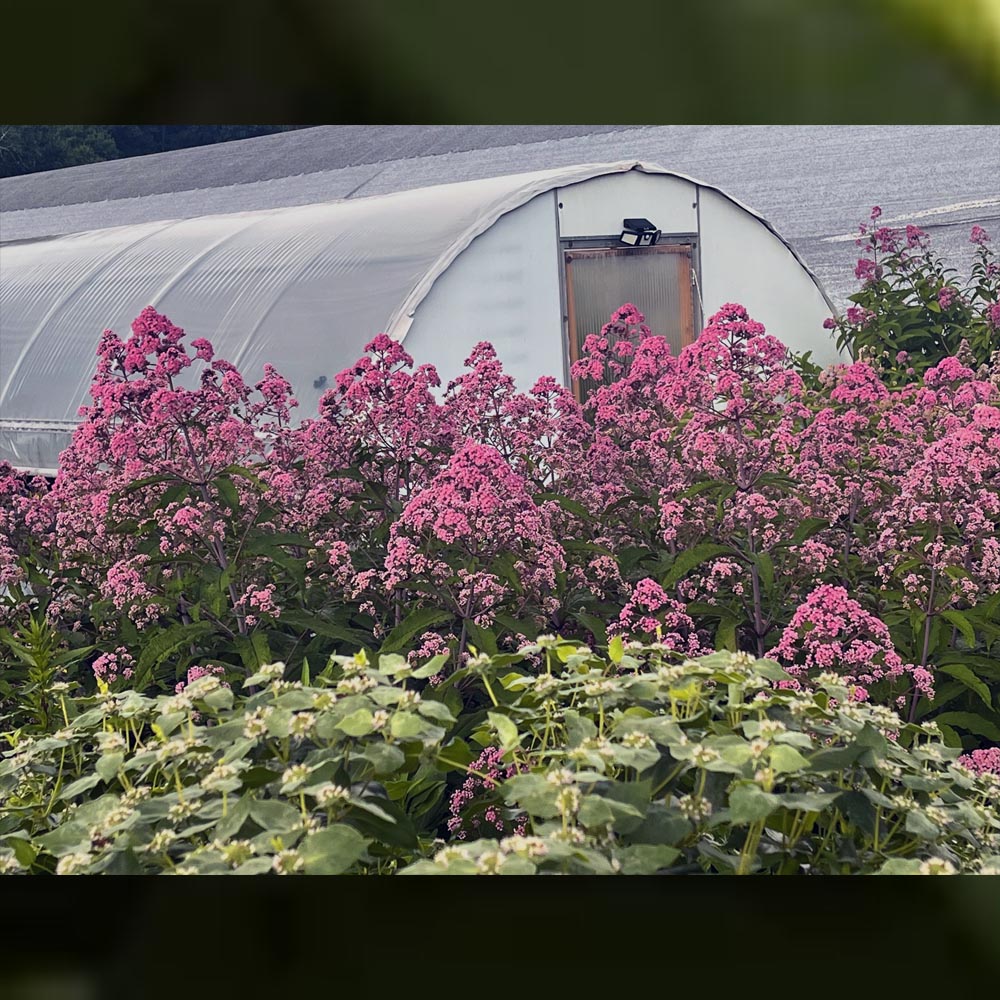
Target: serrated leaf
484, 639
417, 621
962, 623
786, 759
971, 723
765, 571
750, 804
690, 558
333, 850
108, 766
431, 667
156, 649
272, 815
962, 673
725, 634
808, 527
507, 731
358, 723
646, 859
227, 491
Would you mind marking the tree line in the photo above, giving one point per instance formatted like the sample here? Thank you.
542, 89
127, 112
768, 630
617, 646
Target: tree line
28, 149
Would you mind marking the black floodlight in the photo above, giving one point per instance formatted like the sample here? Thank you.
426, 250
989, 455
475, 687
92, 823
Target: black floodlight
639, 233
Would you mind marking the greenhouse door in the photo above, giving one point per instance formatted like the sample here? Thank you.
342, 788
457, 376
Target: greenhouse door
656, 279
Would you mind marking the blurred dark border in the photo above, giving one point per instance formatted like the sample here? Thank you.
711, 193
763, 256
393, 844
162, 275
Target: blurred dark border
189, 937
413, 61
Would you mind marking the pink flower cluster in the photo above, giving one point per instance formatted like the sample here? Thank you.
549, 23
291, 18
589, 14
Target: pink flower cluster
830, 631
197, 671
474, 512
464, 818
652, 615
984, 761
835, 521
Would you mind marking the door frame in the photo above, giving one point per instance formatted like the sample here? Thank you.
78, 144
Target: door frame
689, 304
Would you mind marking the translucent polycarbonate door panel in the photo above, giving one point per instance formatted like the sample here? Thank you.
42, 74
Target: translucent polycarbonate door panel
657, 280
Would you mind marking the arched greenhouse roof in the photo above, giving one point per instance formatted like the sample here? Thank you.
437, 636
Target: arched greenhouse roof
275, 285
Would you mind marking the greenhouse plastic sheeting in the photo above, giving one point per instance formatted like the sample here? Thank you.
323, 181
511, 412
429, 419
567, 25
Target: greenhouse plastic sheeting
303, 288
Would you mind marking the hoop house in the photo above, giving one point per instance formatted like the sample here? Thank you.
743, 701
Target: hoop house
531, 262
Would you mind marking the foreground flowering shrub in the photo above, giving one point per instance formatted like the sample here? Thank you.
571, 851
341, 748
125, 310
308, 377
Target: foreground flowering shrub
631, 763
913, 311
722, 498
282, 778
638, 763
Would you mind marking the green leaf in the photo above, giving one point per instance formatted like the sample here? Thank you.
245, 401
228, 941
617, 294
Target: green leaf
616, 649
397, 831
238, 470
807, 801
858, 809
414, 623
456, 755
725, 634
785, 759
230, 824
273, 816
509, 736
79, 786
432, 666
573, 506
765, 570
595, 811
593, 624
646, 859
279, 723
920, 826
962, 673
436, 710
808, 527
963, 625
333, 850
254, 650
221, 699
163, 644
690, 558
255, 866
391, 664
227, 491
309, 622
749, 804
384, 757
358, 723
482, 638
971, 723
23, 851
69, 838
900, 866
407, 726
108, 766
